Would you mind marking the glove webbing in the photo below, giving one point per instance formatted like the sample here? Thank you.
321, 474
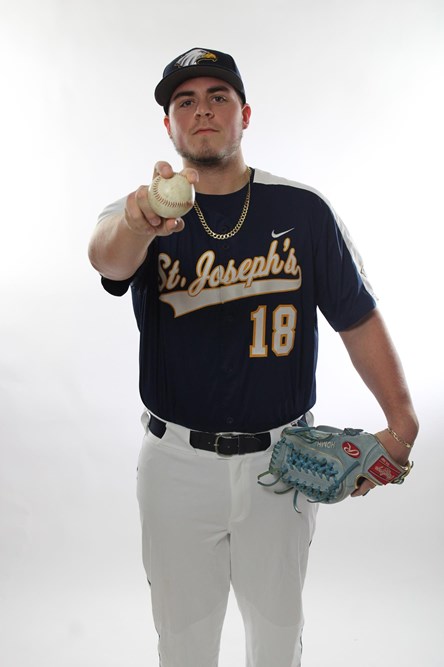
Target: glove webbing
320, 467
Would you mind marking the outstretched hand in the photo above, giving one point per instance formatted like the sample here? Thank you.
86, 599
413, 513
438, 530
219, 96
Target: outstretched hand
139, 215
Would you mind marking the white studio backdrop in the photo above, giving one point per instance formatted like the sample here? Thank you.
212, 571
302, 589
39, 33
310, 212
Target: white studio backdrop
347, 97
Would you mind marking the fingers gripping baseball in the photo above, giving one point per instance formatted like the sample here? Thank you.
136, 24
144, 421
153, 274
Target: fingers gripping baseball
165, 170
142, 220
172, 195
158, 211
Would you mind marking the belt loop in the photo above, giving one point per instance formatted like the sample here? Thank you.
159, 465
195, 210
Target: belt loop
157, 426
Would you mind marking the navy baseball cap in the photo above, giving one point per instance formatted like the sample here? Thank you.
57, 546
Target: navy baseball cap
194, 63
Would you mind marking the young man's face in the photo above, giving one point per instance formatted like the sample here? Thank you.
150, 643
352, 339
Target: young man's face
206, 120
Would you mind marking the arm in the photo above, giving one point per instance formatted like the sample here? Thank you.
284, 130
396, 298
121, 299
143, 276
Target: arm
119, 243
375, 359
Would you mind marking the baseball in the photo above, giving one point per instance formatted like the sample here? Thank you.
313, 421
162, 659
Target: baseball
171, 197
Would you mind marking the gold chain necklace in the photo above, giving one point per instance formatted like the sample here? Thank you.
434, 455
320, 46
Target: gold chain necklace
239, 223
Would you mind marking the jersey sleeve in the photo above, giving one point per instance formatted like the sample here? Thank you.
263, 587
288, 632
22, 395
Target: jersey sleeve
116, 207
344, 293
116, 287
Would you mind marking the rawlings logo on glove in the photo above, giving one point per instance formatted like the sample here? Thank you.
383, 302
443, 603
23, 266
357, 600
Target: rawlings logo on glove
327, 464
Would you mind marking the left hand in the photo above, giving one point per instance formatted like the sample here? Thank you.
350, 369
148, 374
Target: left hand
399, 452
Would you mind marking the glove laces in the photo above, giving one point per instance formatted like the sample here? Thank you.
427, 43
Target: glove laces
315, 466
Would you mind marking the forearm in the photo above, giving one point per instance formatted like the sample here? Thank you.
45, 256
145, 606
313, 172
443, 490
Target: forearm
115, 250
376, 360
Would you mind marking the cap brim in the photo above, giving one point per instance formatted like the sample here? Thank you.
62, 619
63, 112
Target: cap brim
168, 85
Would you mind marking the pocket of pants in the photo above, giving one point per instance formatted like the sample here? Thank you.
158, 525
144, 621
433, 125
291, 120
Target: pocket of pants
149, 440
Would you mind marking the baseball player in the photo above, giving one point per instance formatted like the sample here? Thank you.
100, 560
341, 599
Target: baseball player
226, 302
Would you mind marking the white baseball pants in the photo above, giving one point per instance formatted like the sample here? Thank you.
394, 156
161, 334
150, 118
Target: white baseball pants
207, 524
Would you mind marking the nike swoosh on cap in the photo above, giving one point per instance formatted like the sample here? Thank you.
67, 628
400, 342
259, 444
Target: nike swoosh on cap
276, 235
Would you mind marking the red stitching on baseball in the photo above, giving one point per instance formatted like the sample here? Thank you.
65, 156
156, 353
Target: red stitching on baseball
167, 202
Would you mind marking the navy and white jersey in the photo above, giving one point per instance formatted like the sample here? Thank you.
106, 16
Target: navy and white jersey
228, 328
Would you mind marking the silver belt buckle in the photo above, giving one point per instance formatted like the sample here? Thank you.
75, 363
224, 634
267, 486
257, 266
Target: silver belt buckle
225, 435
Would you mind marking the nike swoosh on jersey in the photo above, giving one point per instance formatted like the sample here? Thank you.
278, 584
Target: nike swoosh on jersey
276, 235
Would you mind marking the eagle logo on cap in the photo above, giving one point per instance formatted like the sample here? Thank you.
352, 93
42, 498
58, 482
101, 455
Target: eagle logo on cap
195, 57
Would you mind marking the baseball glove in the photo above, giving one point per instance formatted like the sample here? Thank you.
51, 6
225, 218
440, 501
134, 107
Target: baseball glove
326, 464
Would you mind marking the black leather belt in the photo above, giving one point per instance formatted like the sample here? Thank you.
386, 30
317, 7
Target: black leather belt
225, 444
228, 444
